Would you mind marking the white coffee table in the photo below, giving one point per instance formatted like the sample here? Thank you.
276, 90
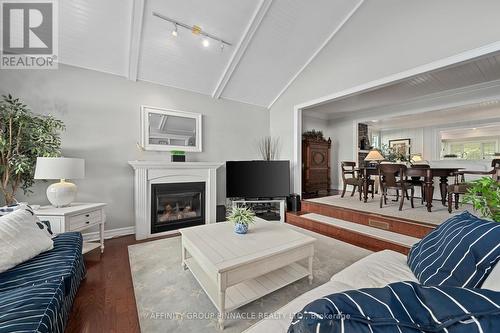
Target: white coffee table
235, 270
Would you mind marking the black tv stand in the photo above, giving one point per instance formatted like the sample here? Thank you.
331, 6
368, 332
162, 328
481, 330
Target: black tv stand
269, 210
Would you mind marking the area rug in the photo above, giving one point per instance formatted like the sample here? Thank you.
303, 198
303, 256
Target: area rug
438, 215
169, 299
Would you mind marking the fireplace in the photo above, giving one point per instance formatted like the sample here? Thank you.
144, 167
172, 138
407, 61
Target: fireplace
177, 205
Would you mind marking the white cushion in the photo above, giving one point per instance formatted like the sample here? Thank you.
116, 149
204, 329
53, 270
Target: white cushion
280, 320
492, 282
21, 239
45, 225
376, 270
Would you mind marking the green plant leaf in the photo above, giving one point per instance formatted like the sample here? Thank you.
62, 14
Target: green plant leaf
484, 195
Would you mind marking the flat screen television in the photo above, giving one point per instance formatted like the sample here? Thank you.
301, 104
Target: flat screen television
257, 179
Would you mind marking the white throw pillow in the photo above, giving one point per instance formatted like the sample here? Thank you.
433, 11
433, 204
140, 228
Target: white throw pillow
21, 239
492, 282
44, 225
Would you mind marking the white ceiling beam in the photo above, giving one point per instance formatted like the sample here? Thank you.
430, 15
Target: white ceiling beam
241, 48
328, 39
135, 38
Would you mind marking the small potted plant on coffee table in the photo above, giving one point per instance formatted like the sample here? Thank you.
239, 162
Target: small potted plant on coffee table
241, 217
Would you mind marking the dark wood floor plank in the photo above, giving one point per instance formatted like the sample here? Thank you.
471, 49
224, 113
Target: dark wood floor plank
105, 301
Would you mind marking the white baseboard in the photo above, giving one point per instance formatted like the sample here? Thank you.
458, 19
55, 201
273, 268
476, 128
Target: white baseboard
112, 233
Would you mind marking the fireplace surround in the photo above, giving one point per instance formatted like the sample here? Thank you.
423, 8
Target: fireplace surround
148, 174
177, 205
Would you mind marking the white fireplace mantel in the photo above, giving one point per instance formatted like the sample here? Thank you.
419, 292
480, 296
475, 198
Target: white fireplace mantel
162, 172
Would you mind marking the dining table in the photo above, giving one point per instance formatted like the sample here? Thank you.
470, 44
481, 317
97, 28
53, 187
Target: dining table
427, 173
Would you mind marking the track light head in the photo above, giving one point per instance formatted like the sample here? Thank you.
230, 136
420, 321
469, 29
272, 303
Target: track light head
174, 32
205, 42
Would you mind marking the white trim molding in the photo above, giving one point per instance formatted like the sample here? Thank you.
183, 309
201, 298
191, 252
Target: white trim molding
448, 99
375, 84
111, 233
297, 151
135, 39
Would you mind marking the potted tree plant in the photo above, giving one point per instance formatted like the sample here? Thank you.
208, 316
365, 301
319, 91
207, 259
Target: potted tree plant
241, 217
24, 136
484, 195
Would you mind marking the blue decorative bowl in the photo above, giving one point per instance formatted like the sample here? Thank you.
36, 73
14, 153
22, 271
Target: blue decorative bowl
240, 228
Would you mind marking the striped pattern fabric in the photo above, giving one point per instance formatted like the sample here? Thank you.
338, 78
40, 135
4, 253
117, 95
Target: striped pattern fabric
461, 252
402, 307
37, 295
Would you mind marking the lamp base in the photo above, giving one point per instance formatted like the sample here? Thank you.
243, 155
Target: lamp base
61, 194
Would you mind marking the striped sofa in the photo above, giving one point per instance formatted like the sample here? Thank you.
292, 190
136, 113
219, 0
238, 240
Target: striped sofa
464, 247
37, 295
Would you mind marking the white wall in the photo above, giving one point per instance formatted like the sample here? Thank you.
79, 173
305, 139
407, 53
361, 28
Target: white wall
383, 38
310, 123
102, 116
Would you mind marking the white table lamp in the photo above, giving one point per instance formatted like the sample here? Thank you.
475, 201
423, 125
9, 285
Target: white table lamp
63, 193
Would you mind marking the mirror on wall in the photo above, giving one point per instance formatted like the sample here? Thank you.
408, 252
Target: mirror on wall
168, 130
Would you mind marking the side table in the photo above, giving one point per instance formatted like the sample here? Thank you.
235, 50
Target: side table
76, 217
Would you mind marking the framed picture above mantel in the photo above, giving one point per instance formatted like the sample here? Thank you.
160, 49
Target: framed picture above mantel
169, 130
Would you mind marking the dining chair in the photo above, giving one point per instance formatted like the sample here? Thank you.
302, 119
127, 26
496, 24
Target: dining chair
393, 176
461, 186
419, 181
351, 176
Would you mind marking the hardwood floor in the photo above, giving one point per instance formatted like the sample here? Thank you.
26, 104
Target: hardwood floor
105, 301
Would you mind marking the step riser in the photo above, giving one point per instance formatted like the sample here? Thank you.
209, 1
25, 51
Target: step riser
409, 228
351, 237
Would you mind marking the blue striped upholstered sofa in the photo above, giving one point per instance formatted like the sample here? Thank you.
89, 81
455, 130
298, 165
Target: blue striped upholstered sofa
36, 296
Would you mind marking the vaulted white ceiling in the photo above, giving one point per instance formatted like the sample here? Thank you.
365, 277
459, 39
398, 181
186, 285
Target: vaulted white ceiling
272, 41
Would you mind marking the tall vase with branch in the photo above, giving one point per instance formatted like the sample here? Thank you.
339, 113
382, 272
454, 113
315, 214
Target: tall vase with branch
24, 136
269, 148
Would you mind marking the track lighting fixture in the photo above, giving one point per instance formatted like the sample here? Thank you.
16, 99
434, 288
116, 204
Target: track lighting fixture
196, 30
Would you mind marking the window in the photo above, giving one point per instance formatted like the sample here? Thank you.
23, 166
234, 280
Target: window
471, 150
375, 141
489, 149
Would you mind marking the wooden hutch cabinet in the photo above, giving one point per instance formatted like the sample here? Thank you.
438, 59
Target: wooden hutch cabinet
316, 165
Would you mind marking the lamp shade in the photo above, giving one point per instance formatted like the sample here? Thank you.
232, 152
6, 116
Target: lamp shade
374, 155
59, 168
416, 158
